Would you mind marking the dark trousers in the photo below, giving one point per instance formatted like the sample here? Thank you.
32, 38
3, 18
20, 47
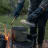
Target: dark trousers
40, 28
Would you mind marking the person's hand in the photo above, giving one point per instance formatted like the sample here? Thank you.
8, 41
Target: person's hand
35, 15
15, 17
32, 18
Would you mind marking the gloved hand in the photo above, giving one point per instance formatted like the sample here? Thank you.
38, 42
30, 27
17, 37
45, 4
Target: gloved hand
34, 16
16, 16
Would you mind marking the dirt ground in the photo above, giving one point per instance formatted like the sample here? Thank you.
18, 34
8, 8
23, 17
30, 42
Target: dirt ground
45, 44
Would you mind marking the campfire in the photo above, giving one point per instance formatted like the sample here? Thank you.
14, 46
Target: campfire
7, 36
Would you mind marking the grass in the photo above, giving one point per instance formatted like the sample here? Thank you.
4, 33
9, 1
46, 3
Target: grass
7, 20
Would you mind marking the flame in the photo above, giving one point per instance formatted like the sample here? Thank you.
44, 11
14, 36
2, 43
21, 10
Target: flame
6, 37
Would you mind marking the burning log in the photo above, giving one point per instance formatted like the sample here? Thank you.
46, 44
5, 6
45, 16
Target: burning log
7, 36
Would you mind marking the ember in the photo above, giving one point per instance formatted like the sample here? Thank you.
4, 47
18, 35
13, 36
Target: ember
6, 37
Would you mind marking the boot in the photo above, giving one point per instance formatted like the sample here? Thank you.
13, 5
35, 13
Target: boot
40, 46
34, 46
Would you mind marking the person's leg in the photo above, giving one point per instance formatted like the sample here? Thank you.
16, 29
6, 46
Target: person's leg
33, 34
41, 30
33, 30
